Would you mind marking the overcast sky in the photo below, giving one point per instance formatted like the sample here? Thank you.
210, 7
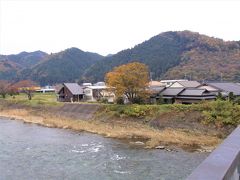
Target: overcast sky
108, 26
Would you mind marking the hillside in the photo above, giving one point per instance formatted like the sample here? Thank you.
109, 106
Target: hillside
10, 65
25, 59
65, 66
169, 55
8, 70
181, 54
207, 58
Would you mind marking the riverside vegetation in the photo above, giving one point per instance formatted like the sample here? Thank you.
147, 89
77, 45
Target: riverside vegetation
191, 127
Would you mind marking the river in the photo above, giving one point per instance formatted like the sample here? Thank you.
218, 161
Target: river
29, 152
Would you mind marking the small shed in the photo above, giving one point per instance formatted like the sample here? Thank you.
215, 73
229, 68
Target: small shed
70, 92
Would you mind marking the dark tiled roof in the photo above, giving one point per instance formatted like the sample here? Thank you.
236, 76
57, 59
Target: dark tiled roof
189, 83
196, 97
196, 92
192, 92
74, 88
171, 91
227, 87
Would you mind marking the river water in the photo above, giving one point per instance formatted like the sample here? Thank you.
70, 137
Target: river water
29, 152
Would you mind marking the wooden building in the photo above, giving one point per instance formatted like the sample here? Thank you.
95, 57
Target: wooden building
223, 87
179, 95
70, 92
193, 95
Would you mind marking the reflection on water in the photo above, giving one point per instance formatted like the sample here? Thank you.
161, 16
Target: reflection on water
33, 152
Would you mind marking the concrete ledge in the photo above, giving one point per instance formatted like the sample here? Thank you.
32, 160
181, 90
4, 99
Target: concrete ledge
222, 163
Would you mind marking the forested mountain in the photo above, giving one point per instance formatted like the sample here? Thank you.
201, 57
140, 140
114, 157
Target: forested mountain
10, 65
65, 66
160, 53
181, 54
25, 59
8, 70
169, 55
206, 58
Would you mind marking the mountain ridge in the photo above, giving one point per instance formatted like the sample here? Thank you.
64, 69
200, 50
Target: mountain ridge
169, 55
67, 65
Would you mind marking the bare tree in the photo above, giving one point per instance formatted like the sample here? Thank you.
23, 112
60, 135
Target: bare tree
28, 92
27, 87
3, 88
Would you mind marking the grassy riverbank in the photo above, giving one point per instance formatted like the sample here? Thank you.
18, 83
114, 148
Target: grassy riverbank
38, 99
191, 127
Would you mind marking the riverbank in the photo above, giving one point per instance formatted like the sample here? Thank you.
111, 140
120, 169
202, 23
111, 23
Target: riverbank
138, 131
60, 153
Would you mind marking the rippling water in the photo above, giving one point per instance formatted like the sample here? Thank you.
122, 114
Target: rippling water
32, 152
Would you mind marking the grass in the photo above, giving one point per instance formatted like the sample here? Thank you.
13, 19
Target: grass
38, 99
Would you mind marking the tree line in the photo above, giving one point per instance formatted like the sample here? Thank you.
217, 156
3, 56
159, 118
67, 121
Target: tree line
12, 89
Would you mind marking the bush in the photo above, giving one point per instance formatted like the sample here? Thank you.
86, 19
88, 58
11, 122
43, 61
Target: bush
135, 110
104, 100
231, 96
160, 100
222, 113
138, 100
237, 100
220, 96
120, 100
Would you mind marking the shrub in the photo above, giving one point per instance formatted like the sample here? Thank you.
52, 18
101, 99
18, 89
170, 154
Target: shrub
120, 100
160, 100
104, 100
222, 113
237, 100
138, 100
220, 96
137, 111
231, 96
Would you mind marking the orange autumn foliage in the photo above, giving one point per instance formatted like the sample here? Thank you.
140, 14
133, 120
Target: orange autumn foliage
129, 80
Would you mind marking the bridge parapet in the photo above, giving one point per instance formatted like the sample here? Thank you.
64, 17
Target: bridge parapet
223, 163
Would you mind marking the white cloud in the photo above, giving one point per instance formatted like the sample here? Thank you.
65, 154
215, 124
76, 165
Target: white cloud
108, 26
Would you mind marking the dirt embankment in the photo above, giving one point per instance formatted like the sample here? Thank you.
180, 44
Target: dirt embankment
85, 117
78, 111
